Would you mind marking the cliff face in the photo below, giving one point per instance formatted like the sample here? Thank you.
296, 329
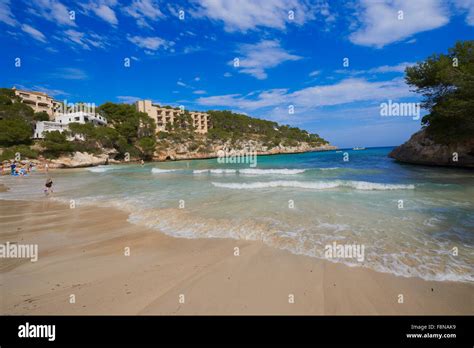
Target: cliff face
172, 152
421, 149
183, 151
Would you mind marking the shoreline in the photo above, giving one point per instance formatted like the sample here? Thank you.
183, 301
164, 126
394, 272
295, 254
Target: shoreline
54, 164
82, 253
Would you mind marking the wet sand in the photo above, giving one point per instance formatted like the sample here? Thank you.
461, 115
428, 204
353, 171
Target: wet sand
82, 253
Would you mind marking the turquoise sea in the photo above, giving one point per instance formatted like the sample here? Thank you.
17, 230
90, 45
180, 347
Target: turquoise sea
408, 218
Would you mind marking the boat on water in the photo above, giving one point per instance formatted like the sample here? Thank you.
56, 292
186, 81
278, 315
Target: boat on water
358, 148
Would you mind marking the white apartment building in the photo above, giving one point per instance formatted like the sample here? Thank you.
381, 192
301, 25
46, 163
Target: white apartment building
61, 122
81, 117
164, 116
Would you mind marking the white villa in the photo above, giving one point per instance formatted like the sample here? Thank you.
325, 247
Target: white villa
61, 122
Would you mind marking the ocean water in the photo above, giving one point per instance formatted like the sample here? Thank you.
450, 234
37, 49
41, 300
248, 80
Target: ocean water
300, 203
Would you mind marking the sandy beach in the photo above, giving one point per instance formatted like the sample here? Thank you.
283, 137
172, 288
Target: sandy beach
81, 252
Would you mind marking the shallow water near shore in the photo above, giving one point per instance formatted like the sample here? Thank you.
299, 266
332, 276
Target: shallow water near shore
300, 203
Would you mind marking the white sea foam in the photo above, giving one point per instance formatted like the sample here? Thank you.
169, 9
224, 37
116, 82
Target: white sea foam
250, 171
318, 185
160, 171
223, 171
330, 168
178, 224
98, 169
283, 171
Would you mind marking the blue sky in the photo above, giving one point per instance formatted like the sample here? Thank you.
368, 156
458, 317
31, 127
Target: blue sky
290, 53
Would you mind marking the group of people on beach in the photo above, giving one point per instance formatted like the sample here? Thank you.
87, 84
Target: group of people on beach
18, 169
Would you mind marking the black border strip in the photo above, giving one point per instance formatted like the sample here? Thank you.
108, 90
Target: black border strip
193, 330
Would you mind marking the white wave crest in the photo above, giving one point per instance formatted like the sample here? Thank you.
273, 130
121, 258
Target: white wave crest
214, 171
98, 169
283, 171
223, 171
321, 185
330, 168
160, 171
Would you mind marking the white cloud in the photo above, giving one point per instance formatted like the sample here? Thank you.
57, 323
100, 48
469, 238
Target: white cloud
6, 15
256, 58
243, 15
127, 99
192, 49
83, 40
69, 74
349, 91
399, 68
144, 11
381, 24
200, 91
314, 73
468, 6
264, 99
182, 84
346, 91
36, 34
227, 74
102, 9
42, 88
391, 68
106, 13
150, 43
52, 10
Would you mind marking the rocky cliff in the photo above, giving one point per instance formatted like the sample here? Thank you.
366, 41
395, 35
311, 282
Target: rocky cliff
421, 149
185, 150
172, 151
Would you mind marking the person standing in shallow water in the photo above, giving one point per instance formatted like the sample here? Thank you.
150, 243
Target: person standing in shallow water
48, 186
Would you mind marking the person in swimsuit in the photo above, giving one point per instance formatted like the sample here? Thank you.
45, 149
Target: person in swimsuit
48, 186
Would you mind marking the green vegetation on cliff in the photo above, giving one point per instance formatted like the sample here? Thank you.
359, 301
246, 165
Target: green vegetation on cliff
228, 125
446, 82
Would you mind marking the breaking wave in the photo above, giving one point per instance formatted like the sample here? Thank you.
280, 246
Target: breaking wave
320, 185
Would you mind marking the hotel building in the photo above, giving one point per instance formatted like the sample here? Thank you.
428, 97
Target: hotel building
164, 116
38, 101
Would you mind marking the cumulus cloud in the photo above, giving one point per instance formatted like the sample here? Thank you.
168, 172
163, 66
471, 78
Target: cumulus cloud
468, 7
344, 92
151, 43
144, 12
52, 10
243, 15
380, 24
256, 58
